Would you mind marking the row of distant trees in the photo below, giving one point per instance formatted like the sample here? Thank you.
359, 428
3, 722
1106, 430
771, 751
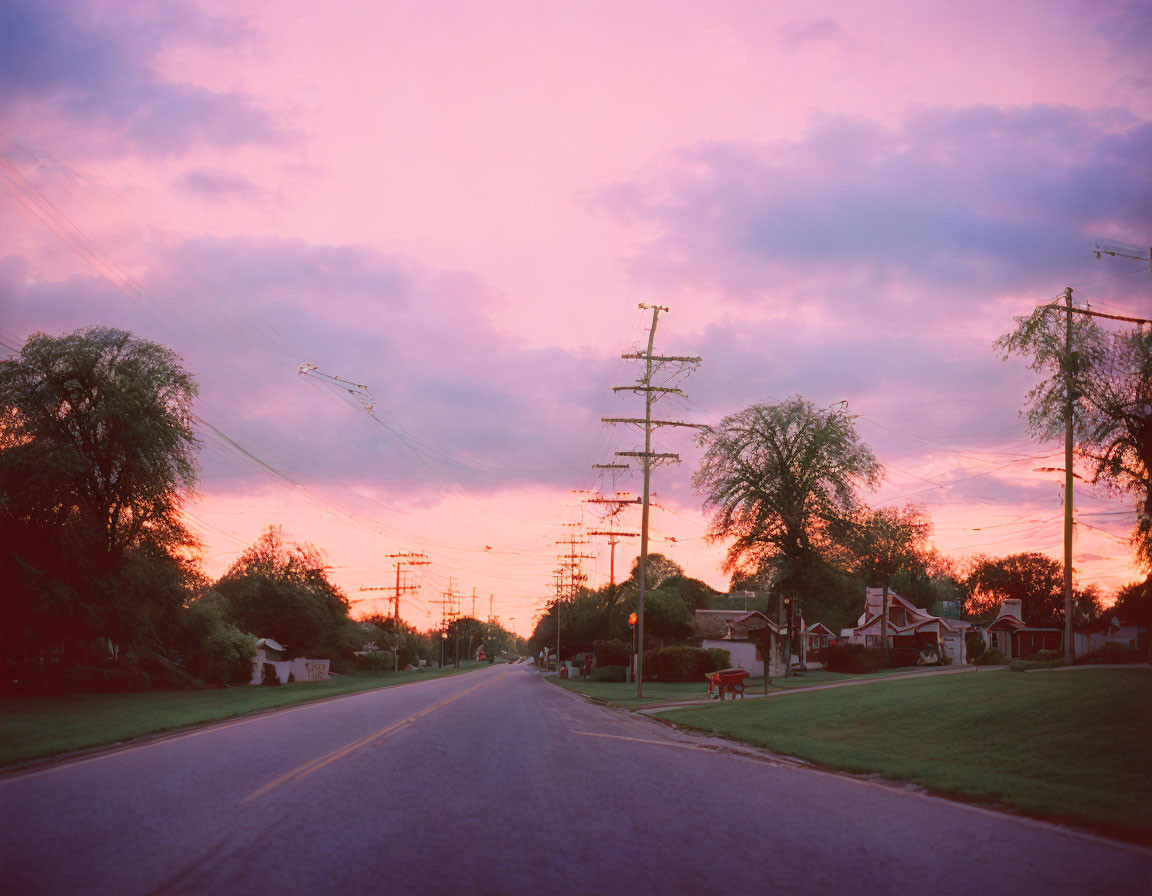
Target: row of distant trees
99, 576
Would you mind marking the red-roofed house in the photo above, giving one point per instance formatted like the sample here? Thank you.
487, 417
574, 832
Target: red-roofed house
1008, 633
818, 635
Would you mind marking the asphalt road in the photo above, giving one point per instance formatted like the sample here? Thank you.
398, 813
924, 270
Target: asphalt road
497, 782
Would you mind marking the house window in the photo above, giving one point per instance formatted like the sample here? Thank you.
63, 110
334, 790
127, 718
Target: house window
871, 640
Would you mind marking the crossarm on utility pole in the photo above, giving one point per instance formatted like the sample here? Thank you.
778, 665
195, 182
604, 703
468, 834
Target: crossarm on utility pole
1089, 313
650, 454
642, 388
643, 356
640, 421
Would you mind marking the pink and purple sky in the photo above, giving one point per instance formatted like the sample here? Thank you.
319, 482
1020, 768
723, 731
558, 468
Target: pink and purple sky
460, 205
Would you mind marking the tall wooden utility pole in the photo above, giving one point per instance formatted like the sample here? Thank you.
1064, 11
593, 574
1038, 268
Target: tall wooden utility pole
406, 558
1070, 397
652, 363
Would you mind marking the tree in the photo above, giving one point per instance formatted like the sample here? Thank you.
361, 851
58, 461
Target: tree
1042, 338
1133, 605
97, 455
1118, 398
279, 590
658, 570
1034, 579
881, 543
775, 478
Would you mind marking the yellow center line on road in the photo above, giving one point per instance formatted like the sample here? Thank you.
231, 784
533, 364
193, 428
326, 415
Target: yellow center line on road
645, 740
314, 765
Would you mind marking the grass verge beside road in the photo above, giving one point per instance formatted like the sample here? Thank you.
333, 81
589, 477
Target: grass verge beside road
36, 727
1068, 747
623, 694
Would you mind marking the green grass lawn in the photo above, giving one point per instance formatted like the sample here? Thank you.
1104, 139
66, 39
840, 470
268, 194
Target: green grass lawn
624, 693
34, 727
1064, 745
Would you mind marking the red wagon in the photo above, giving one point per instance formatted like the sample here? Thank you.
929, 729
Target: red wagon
728, 681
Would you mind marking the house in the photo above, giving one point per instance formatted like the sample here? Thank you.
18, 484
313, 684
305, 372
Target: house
269, 662
818, 635
908, 626
1008, 633
740, 632
1114, 633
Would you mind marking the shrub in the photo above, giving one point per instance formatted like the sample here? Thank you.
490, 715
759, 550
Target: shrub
609, 673
721, 659
678, 663
376, 661
1113, 652
107, 679
853, 658
612, 653
898, 657
991, 657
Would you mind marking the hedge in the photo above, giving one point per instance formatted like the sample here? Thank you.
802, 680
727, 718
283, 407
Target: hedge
612, 653
681, 663
1113, 652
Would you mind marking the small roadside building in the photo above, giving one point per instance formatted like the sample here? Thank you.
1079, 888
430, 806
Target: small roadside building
908, 626
270, 664
740, 632
1008, 633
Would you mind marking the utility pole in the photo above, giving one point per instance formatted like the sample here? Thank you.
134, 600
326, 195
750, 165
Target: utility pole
569, 574
405, 558
1070, 397
644, 385
449, 613
1068, 480
613, 508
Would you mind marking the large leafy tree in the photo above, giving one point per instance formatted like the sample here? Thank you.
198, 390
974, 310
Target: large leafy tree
1036, 580
1043, 339
280, 590
97, 454
776, 478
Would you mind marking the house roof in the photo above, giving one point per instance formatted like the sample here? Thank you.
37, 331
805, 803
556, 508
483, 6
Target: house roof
270, 644
819, 628
730, 625
915, 617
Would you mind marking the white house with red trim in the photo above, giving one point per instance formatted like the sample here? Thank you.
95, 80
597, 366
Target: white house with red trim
818, 635
908, 626
1009, 634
